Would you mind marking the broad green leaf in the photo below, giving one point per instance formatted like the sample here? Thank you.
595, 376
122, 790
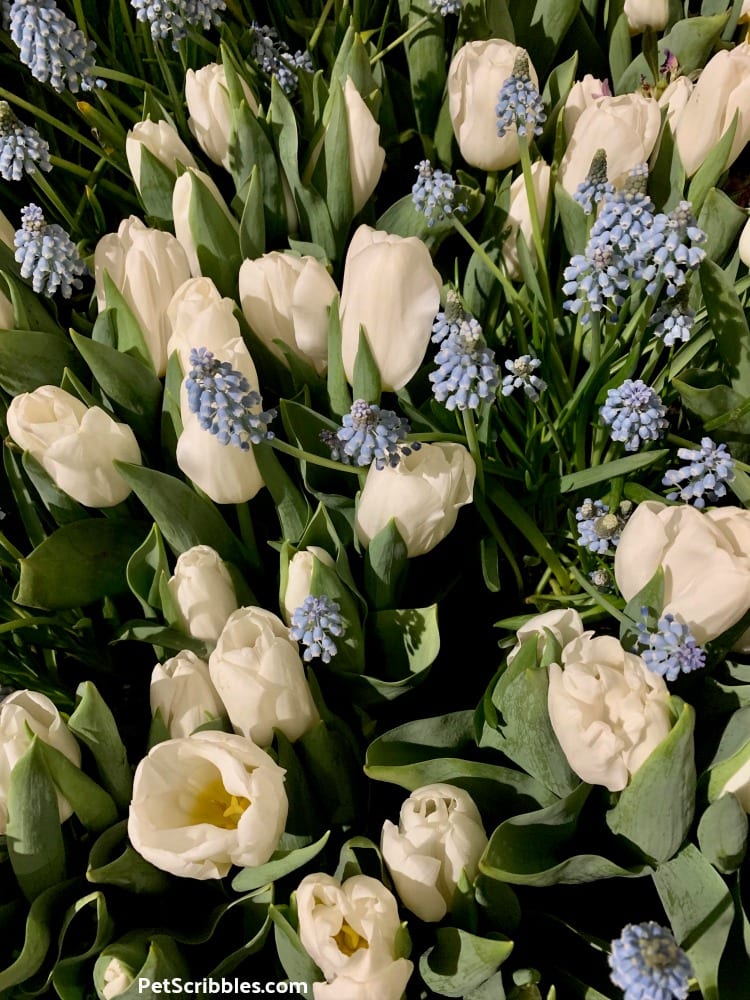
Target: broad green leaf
37, 935
216, 238
572, 219
367, 380
91, 804
403, 219
31, 358
425, 56
611, 470
709, 172
127, 330
252, 224
722, 833
145, 568
721, 220
337, 184
62, 507
540, 28
92, 928
281, 863
112, 861
728, 324
291, 506
297, 964
459, 962
386, 562
339, 394
94, 725
155, 186
651, 595
691, 40
28, 310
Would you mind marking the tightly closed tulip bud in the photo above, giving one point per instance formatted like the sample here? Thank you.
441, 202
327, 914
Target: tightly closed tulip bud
137, 954
476, 74
366, 155
182, 692
439, 835
206, 802
583, 94
349, 930
625, 127
75, 445
642, 14
203, 592
519, 216
706, 563
565, 624
608, 710
723, 88
162, 141
181, 197
299, 578
744, 244
423, 494
116, 978
257, 670
210, 120
287, 298
20, 712
147, 266
392, 289
200, 317
675, 99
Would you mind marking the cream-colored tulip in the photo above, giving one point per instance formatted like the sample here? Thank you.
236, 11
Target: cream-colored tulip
182, 692
200, 317
147, 266
608, 710
476, 74
565, 624
706, 561
210, 121
625, 127
744, 244
162, 141
422, 494
722, 90
392, 289
366, 155
182, 196
299, 578
642, 14
439, 836
583, 94
206, 802
285, 297
350, 931
257, 670
519, 216
22, 715
76, 445
203, 592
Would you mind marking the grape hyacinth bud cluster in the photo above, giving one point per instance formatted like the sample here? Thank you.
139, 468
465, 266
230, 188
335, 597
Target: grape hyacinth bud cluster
22, 149
673, 320
669, 250
599, 528
522, 377
634, 413
710, 468
274, 57
445, 7
433, 193
518, 103
369, 434
225, 404
50, 44
648, 964
177, 17
47, 255
595, 185
315, 624
671, 650
466, 370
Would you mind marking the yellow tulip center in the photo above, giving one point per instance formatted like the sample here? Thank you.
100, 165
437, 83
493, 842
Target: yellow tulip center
349, 941
215, 805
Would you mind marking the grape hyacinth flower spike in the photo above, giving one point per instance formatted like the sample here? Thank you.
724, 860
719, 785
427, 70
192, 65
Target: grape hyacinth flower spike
466, 369
368, 434
274, 57
176, 17
22, 149
671, 650
315, 624
445, 7
634, 414
599, 528
522, 377
433, 193
595, 186
704, 478
47, 255
648, 964
518, 103
50, 44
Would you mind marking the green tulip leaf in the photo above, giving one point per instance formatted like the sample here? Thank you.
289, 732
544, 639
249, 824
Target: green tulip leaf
386, 561
94, 725
37, 934
280, 864
32, 358
216, 238
460, 962
728, 324
155, 186
252, 224
112, 861
722, 834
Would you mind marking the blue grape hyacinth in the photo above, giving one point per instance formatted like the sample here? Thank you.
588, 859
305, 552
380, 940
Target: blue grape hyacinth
274, 57
669, 250
368, 434
634, 414
595, 186
671, 650
174, 18
518, 103
225, 404
598, 528
445, 7
522, 377
710, 468
672, 321
22, 149
47, 255
433, 193
53, 48
466, 370
315, 624
648, 964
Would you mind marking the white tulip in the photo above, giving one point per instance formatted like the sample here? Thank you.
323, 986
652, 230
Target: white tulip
182, 692
299, 578
182, 195
75, 445
565, 624
203, 592
257, 670
642, 14
206, 802
744, 244
285, 297
583, 94
162, 141
423, 494
675, 98
439, 836
20, 712
706, 561
200, 317
349, 930
210, 120
392, 289
117, 978
625, 127
147, 266
519, 216
608, 710
366, 155
476, 74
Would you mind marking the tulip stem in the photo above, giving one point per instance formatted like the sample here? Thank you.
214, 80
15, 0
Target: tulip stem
401, 38
486, 515
600, 599
306, 456
319, 26
10, 548
472, 440
536, 229
247, 533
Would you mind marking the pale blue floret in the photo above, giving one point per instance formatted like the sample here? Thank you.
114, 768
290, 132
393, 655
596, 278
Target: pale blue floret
445, 7
274, 57
225, 404
519, 105
673, 320
53, 48
47, 255
668, 251
176, 17
648, 964
595, 187
433, 193
598, 529
369, 434
466, 370
634, 413
315, 624
711, 467
522, 377
22, 149
671, 650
